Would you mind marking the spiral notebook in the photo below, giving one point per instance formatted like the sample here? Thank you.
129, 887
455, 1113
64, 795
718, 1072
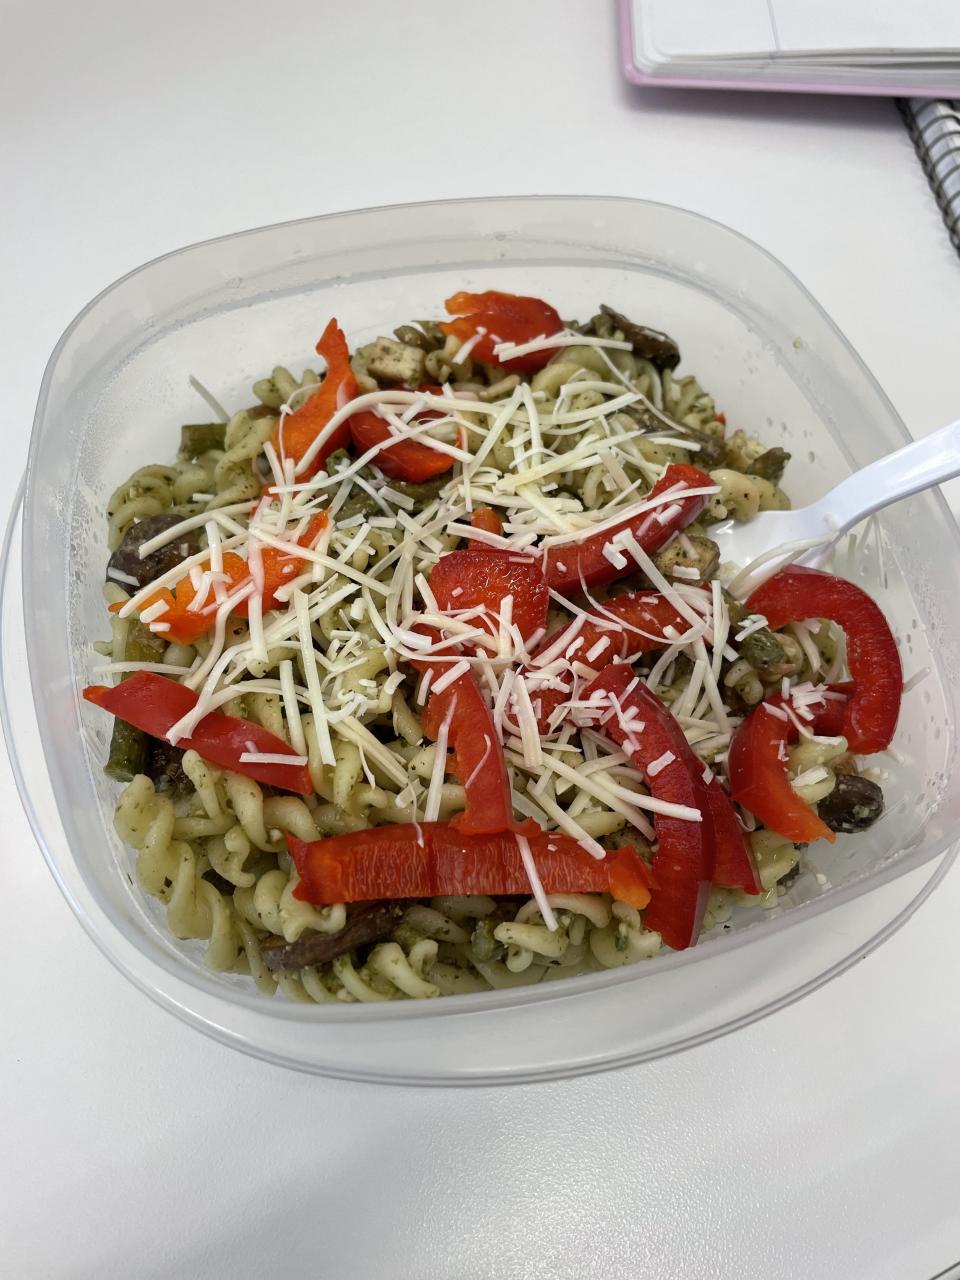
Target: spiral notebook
935, 129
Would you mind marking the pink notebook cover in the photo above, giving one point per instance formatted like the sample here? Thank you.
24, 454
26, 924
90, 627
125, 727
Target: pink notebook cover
738, 81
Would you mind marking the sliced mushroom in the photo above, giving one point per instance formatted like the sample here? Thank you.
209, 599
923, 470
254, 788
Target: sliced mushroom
659, 348
367, 922
126, 567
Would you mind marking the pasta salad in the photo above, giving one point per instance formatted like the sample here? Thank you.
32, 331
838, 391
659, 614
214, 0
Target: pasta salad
428, 679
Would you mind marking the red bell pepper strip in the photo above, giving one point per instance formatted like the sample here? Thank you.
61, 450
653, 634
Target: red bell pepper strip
296, 433
280, 566
155, 703
482, 578
645, 615
184, 625
570, 566
485, 577
433, 858
831, 718
408, 460
734, 865
795, 594
478, 759
757, 763
683, 863
503, 317
487, 519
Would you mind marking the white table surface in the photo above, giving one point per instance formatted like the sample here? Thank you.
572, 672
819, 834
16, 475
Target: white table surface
822, 1142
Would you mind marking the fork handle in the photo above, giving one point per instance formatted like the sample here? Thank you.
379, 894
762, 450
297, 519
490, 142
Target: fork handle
917, 466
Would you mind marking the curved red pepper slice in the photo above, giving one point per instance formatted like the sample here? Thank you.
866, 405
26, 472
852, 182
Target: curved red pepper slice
463, 580
569, 567
830, 720
795, 594
433, 858
477, 757
295, 434
184, 625
466, 580
484, 578
155, 703
280, 566
645, 615
757, 765
648, 614
734, 865
503, 317
683, 862
408, 460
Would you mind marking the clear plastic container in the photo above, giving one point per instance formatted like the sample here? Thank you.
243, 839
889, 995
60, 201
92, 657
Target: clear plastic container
114, 391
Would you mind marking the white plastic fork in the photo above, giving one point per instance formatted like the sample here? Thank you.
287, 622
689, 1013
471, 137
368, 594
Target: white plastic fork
909, 470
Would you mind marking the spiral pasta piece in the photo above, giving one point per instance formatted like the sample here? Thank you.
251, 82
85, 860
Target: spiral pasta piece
271, 906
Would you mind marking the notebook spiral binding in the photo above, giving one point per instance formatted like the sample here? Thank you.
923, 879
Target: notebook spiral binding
934, 126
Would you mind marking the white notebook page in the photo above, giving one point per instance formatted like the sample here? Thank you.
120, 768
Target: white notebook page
763, 28
866, 24
698, 28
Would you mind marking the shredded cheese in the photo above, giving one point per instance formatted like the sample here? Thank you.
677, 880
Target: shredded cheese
270, 757
510, 350
658, 765
308, 661
450, 676
536, 886
431, 810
